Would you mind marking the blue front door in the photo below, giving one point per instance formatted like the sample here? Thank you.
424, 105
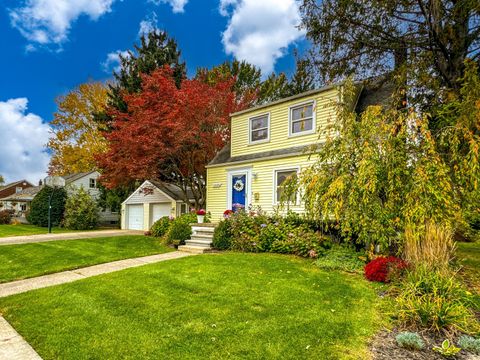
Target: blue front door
239, 190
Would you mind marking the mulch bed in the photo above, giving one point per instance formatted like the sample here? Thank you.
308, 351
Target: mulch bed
384, 347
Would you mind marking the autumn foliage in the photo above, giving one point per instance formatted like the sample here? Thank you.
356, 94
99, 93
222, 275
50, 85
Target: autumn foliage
169, 133
383, 268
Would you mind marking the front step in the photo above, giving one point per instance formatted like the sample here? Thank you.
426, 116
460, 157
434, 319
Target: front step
194, 249
201, 239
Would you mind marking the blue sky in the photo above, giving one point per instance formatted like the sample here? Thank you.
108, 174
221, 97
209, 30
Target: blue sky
50, 46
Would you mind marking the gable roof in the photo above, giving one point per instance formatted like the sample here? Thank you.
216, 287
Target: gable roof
170, 190
15, 183
26, 194
376, 92
73, 177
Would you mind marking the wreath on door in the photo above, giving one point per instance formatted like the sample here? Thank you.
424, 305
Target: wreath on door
239, 185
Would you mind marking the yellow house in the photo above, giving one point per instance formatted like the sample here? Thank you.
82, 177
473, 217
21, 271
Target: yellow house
268, 144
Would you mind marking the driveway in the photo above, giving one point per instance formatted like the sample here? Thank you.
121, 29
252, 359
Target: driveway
13, 240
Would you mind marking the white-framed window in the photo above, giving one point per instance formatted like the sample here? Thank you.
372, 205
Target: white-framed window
259, 128
18, 189
280, 177
92, 183
23, 207
302, 119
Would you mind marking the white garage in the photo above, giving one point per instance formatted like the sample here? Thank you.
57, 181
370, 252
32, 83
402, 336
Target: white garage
151, 201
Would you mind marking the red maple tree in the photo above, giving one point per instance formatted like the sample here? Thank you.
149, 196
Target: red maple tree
170, 133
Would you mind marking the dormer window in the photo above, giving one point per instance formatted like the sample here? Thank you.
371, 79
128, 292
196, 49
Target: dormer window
18, 189
260, 128
302, 119
93, 183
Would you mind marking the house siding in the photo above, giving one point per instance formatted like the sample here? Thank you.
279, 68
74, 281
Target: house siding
279, 124
262, 183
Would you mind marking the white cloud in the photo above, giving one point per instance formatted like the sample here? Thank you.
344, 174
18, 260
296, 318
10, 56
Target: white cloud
260, 31
178, 6
47, 22
148, 24
22, 142
112, 62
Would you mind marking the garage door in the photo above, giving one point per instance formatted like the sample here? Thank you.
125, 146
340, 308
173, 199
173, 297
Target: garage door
135, 217
159, 210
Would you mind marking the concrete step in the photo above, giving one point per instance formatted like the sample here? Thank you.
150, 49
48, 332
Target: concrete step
204, 229
199, 243
201, 237
193, 249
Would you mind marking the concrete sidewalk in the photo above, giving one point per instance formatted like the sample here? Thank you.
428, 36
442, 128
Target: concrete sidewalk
12, 344
20, 286
13, 240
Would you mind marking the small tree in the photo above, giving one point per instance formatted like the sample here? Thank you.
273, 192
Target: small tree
81, 211
38, 214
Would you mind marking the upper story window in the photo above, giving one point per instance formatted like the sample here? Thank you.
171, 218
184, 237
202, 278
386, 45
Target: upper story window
302, 119
93, 184
18, 189
260, 128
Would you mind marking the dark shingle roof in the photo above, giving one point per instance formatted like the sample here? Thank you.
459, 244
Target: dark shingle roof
72, 177
171, 190
26, 194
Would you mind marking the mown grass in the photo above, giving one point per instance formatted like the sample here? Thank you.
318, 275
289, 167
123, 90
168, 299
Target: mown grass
27, 229
468, 256
29, 260
234, 305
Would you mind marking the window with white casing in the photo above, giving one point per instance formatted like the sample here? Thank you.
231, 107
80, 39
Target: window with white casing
18, 189
281, 176
259, 128
93, 183
302, 119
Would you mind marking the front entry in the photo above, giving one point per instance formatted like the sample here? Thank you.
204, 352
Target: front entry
239, 191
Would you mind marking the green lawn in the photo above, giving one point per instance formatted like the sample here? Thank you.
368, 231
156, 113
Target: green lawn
29, 260
468, 255
248, 306
25, 229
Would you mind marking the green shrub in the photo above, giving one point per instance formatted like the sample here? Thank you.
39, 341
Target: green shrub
470, 344
81, 211
436, 301
38, 214
222, 237
341, 257
180, 228
410, 341
161, 226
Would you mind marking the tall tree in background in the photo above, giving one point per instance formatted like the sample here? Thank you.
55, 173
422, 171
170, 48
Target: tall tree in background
248, 83
156, 49
429, 40
77, 137
2, 180
169, 133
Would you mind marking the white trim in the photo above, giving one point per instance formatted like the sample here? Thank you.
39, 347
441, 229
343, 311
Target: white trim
314, 118
141, 186
248, 190
280, 169
250, 141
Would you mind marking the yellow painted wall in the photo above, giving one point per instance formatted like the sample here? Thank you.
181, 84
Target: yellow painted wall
279, 124
217, 183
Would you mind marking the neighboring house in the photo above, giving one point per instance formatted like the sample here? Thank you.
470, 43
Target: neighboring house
89, 182
151, 201
7, 191
268, 145
20, 202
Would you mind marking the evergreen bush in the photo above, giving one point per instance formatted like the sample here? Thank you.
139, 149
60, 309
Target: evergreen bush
38, 214
81, 211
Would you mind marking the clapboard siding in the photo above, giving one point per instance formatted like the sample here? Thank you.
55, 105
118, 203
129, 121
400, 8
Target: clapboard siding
140, 198
279, 124
217, 184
